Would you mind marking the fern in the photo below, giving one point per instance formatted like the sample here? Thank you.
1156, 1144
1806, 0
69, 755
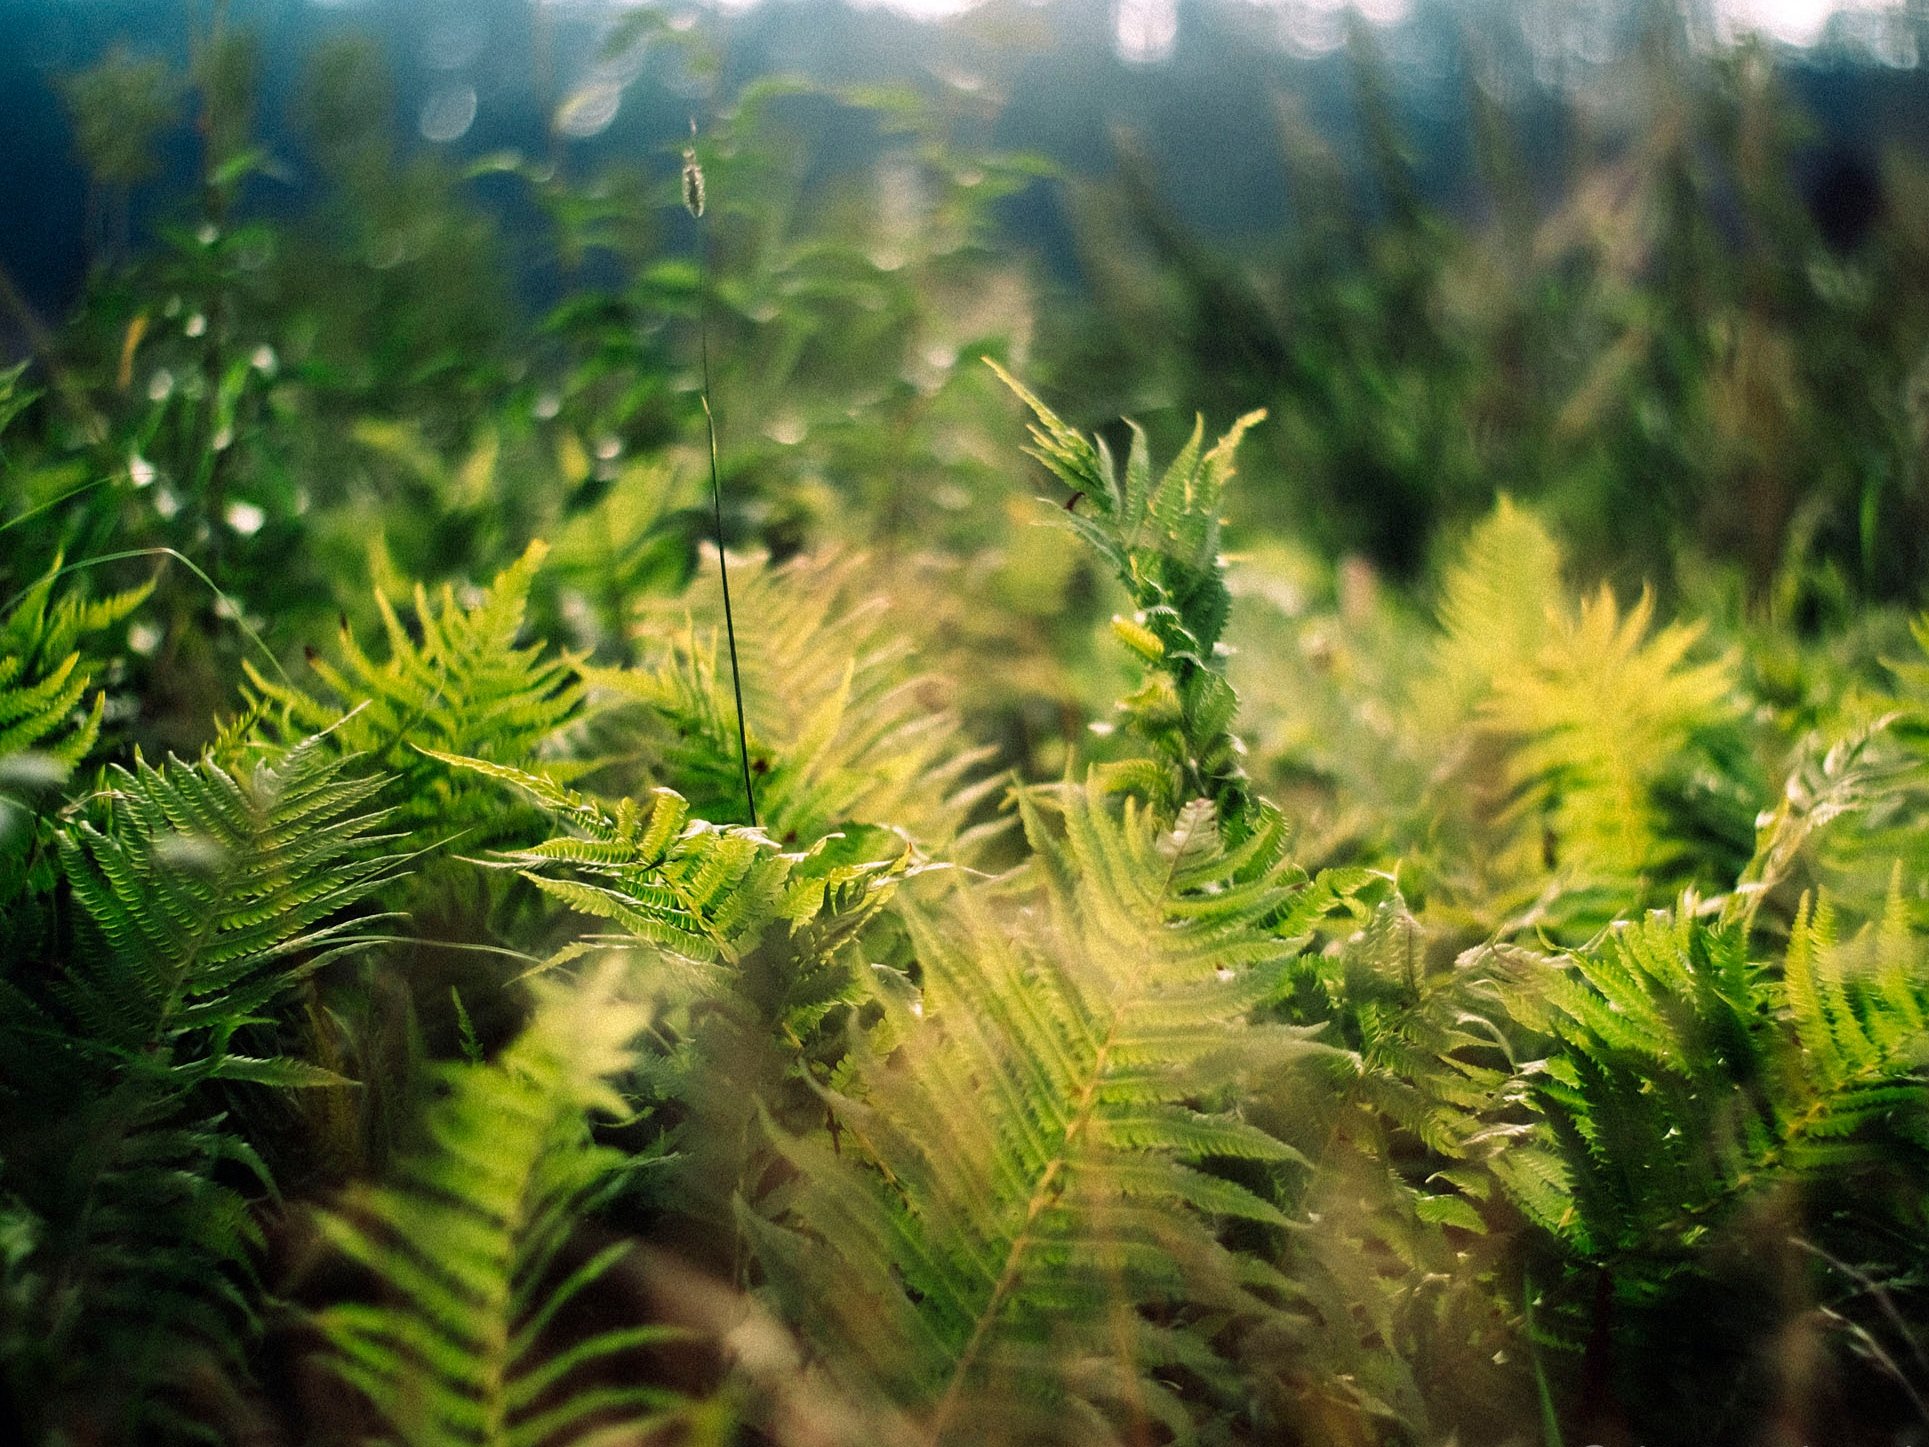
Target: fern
204, 897
755, 955
43, 676
1043, 1265
465, 688
696, 891
1690, 1079
1398, 1330
1161, 539
1569, 730
1493, 611
471, 1338
47, 724
1853, 777
1604, 711
1860, 1010
1395, 1259
1422, 1041
842, 731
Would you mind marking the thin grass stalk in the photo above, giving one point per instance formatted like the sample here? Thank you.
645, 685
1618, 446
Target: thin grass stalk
693, 201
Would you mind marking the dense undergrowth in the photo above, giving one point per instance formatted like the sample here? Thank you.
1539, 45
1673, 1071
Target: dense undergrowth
1174, 991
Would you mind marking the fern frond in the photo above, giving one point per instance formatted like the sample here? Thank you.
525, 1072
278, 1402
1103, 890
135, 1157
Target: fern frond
468, 1341
1689, 1079
1422, 1038
694, 890
211, 891
985, 1260
1597, 718
1494, 611
843, 728
1850, 776
43, 676
1860, 1010
1161, 538
203, 896
464, 688
1573, 740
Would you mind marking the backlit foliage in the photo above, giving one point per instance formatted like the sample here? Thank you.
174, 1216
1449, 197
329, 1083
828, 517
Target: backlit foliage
1182, 988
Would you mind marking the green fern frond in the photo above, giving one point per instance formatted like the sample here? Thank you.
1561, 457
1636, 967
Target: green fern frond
211, 891
464, 688
1855, 775
1860, 1010
696, 891
1656, 1107
1161, 539
43, 676
470, 1340
989, 1269
1423, 1038
1689, 1079
203, 896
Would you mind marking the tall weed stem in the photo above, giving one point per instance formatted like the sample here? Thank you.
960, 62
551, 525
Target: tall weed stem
693, 201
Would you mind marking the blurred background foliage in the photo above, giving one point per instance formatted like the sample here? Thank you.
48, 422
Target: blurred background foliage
1571, 575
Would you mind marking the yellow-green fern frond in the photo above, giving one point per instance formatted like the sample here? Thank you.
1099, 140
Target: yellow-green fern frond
1162, 540
1596, 718
1020, 1241
1498, 603
1573, 738
694, 891
844, 728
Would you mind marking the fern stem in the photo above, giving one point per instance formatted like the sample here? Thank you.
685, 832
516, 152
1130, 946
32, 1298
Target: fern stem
716, 495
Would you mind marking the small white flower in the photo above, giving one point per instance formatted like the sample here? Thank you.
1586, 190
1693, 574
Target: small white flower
140, 471
264, 360
160, 386
144, 637
197, 325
